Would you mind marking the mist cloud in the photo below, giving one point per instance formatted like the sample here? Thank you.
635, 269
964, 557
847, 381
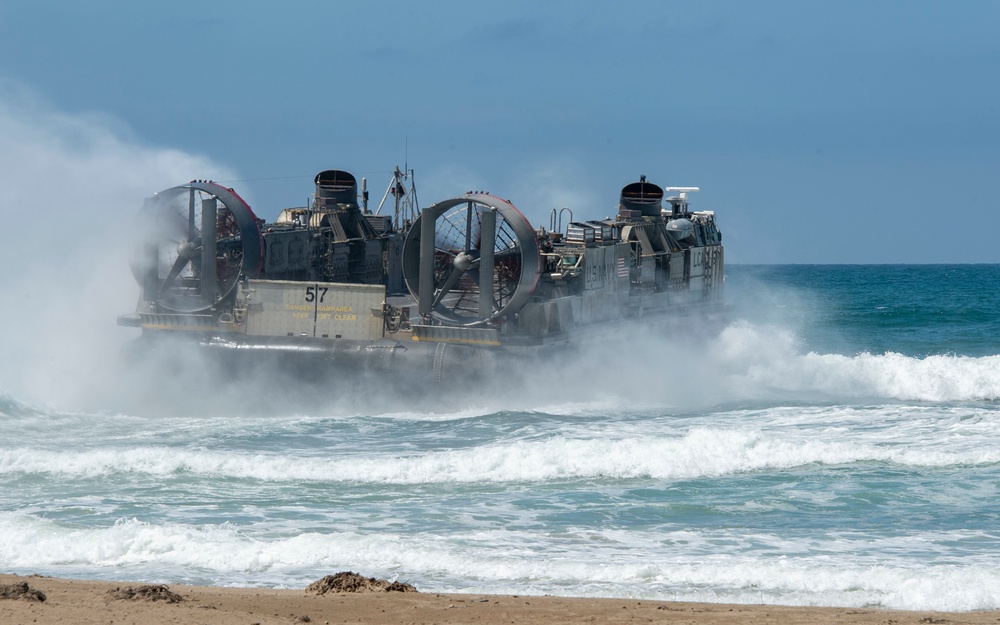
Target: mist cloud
70, 187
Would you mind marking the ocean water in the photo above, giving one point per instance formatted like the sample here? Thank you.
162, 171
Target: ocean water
836, 443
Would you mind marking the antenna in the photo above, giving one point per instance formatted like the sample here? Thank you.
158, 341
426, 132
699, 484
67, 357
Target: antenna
682, 190
404, 197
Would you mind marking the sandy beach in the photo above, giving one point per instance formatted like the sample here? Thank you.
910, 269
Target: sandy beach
121, 603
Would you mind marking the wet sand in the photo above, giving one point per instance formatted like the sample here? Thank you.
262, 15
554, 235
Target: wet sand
86, 602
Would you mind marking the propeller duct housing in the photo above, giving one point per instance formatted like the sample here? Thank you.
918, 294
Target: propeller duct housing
471, 260
197, 240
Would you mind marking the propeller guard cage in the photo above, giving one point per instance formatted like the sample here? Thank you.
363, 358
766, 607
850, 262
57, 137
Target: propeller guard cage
198, 240
444, 267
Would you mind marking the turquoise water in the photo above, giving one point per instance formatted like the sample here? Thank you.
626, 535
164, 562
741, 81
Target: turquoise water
916, 310
835, 444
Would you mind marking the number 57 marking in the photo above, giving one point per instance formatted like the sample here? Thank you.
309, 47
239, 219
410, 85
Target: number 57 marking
313, 291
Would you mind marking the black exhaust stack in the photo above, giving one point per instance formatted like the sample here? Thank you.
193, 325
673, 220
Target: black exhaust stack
640, 199
335, 188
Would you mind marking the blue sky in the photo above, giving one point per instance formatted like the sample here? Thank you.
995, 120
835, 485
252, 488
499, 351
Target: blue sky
820, 132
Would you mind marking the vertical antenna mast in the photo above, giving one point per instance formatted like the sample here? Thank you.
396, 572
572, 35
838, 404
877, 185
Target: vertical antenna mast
404, 193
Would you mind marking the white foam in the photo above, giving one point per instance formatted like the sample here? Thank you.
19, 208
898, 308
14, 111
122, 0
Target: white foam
680, 566
702, 452
757, 361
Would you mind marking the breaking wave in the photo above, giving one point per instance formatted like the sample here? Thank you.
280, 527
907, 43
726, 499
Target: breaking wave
684, 565
763, 361
700, 453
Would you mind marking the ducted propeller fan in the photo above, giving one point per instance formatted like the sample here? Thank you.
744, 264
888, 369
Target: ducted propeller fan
198, 240
471, 260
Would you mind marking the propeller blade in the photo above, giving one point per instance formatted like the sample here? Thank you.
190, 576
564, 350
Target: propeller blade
474, 267
185, 252
175, 271
453, 278
229, 241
